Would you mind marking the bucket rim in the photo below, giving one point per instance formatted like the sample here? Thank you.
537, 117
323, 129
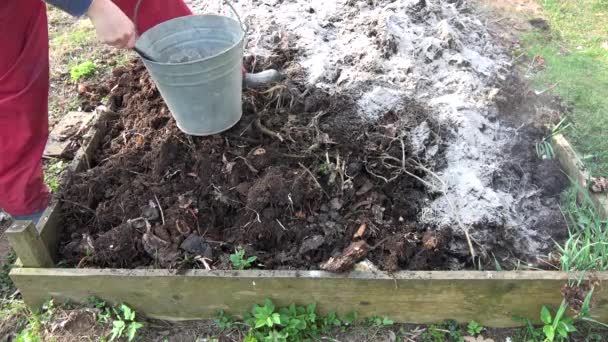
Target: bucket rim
240, 41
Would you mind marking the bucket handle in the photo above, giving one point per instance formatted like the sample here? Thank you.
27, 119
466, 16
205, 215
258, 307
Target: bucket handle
243, 26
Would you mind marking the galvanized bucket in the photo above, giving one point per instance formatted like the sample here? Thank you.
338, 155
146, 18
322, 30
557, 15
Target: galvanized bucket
196, 63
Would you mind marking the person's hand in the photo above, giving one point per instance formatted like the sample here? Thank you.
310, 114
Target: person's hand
112, 24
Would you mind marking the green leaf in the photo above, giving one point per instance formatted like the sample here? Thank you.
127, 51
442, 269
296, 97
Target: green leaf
132, 330
276, 318
350, 318
118, 328
300, 325
250, 338
386, 321
252, 259
587, 303
545, 315
549, 332
569, 327
561, 330
259, 323
128, 314
269, 305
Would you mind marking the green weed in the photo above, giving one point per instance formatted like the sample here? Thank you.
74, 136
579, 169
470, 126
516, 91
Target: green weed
292, 323
558, 326
587, 246
448, 331
239, 261
378, 321
51, 176
6, 284
544, 148
224, 320
32, 322
474, 328
82, 70
124, 323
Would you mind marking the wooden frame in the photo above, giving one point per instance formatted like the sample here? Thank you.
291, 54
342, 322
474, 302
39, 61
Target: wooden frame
491, 298
574, 167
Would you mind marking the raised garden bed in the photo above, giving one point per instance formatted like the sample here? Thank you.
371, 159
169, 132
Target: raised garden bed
306, 175
491, 298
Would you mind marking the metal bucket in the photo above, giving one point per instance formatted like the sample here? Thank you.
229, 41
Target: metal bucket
196, 63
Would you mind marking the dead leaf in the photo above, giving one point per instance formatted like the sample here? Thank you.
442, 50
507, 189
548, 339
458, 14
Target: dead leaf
300, 215
259, 151
82, 88
228, 166
360, 231
184, 202
539, 60
599, 185
430, 241
139, 140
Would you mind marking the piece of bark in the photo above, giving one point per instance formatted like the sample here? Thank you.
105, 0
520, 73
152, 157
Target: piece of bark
350, 256
360, 231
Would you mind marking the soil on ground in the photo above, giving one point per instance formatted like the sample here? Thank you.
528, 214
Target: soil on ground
291, 183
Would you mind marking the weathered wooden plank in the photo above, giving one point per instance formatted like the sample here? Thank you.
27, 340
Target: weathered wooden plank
59, 138
49, 227
82, 160
29, 247
575, 169
491, 298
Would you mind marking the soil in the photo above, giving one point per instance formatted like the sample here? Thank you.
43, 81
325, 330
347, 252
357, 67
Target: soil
426, 161
156, 195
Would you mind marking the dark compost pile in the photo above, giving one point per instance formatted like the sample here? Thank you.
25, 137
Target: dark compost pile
295, 182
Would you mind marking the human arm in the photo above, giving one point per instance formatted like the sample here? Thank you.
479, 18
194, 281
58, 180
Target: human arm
113, 26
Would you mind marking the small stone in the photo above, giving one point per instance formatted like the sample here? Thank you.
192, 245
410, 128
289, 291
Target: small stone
196, 245
137, 223
312, 243
324, 208
334, 215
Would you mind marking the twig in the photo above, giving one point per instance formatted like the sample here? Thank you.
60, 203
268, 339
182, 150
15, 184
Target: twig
379, 243
251, 168
256, 214
280, 224
265, 130
79, 205
546, 90
162, 215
